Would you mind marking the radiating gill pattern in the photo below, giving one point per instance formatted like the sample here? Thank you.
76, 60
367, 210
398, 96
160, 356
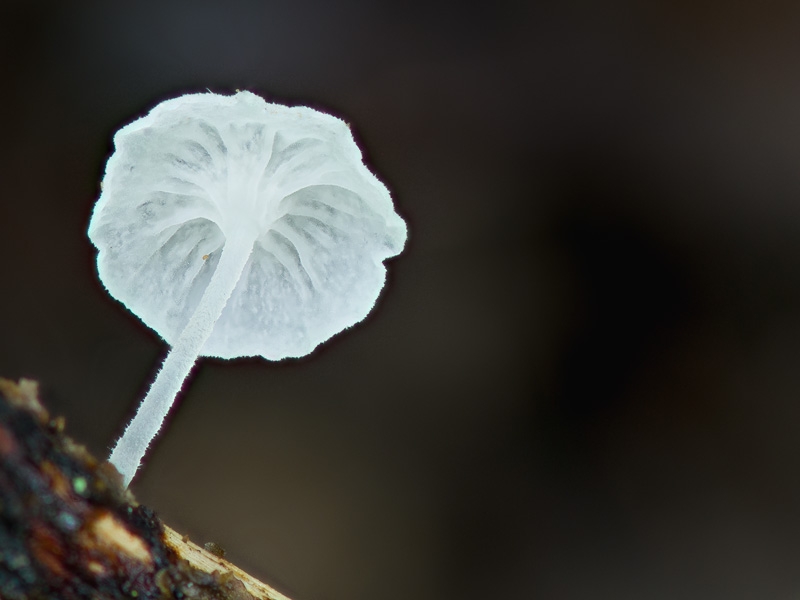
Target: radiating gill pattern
300, 164
185, 276
201, 171
198, 161
315, 226
273, 296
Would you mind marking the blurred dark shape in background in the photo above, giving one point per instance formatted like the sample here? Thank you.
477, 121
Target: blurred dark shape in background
581, 380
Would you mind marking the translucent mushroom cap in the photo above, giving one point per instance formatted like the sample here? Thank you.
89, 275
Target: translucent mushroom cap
200, 172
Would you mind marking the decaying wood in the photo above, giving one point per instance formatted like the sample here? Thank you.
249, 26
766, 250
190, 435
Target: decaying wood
68, 530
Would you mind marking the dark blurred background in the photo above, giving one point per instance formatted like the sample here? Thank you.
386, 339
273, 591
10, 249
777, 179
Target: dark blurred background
582, 379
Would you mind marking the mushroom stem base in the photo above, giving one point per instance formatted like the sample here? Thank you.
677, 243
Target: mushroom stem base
131, 447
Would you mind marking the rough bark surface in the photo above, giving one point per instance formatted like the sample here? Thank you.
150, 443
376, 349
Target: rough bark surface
68, 530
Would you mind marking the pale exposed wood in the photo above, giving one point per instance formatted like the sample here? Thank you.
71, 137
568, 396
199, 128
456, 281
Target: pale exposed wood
204, 560
80, 534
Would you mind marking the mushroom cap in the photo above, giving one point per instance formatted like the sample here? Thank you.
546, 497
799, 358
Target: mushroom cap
202, 169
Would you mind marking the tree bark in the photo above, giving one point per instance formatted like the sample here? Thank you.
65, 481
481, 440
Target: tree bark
69, 530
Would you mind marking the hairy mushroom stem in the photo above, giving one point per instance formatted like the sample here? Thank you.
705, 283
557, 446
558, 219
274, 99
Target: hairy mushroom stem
130, 448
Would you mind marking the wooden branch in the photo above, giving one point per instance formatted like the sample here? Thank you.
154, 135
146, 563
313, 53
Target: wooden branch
68, 530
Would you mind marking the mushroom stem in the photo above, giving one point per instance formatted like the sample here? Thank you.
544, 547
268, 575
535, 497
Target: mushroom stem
130, 448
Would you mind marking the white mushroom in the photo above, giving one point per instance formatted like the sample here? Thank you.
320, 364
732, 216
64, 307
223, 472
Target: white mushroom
234, 227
